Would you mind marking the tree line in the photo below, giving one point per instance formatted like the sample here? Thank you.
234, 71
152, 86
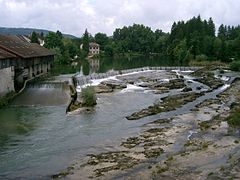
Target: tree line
195, 39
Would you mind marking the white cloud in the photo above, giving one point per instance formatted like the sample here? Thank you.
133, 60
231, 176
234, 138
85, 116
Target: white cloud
74, 16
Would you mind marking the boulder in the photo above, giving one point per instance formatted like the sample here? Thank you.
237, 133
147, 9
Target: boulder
102, 89
187, 89
114, 84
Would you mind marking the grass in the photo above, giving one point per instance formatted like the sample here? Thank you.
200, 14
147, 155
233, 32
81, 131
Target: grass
234, 118
88, 97
207, 63
236, 141
235, 66
204, 125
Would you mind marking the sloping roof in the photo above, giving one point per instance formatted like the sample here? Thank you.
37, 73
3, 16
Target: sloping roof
23, 49
93, 44
5, 55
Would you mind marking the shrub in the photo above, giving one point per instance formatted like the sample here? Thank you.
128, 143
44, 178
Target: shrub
207, 63
235, 66
234, 118
201, 57
88, 96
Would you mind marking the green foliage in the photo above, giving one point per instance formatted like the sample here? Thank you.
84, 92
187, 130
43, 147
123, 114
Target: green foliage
102, 40
136, 38
66, 49
34, 37
71, 47
85, 66
58, 69
194, 39
201, 57
88, 96
208, 63
54, 40
180, 52
86, 41
234, 118
235, 66
65, 58
200, 39
109, 50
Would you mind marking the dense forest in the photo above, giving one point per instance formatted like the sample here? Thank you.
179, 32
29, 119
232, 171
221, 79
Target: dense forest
193, 40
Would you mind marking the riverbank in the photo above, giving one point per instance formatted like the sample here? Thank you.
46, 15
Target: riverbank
195, 142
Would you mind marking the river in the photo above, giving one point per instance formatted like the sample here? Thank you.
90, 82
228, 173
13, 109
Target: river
38, 139
43, 140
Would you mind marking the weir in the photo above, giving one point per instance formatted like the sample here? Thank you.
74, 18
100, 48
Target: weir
81, 79
43, 94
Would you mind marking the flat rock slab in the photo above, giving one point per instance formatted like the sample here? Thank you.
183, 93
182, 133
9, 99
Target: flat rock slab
114, 84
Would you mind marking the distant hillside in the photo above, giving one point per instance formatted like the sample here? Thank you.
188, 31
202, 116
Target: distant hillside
27, 31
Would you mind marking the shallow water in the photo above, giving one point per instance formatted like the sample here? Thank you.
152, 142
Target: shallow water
51, 139
39, 139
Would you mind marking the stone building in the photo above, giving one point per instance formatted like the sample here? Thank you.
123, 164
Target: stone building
21, 60
94, 48
6, 72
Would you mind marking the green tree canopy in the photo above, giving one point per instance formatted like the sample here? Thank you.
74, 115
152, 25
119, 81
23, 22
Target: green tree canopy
34, 37
101, 39
54, 40
86, 41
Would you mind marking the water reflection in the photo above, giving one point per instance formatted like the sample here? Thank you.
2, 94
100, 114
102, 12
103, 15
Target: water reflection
121, 63
85, 67
105, 64
13, 122
94, 65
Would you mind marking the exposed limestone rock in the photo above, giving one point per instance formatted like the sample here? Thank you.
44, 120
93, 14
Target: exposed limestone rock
103, 89
169, 103
114, 84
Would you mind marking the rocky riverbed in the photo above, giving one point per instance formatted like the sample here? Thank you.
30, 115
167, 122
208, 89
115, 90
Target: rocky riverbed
195, 144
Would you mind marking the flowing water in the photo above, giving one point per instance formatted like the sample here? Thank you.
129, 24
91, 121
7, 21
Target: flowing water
37, 138
38, 141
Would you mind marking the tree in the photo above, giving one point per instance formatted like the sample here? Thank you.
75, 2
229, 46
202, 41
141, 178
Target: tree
71, 47
54, 40
101, 39
222, 32
65, 58
217, 45
34, 37
59, 34
42, 35
86, 67
86, 41
136, 38
109, 50
211, 28
180, 52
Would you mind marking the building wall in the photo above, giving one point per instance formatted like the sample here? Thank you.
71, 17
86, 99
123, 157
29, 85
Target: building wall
94, 50
39, 66
6, 80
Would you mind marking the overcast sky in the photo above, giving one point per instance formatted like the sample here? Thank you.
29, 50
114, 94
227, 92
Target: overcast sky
74, 16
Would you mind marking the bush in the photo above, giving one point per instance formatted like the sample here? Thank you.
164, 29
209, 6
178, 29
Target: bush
235, 66
234, 118
88, 96
208, 63
201, 57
